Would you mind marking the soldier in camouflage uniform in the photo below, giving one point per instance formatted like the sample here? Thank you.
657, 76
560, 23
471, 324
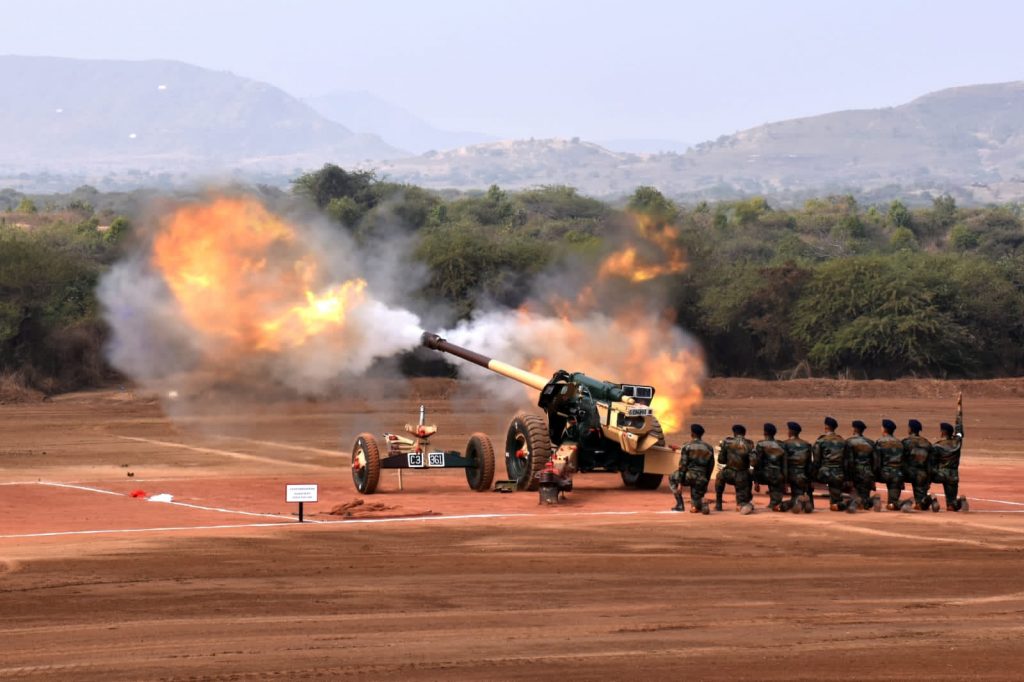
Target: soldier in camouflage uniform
947, 463
696, 461
798, 470
891, 462
862, 460
734, 453
830, 463
919, 462
770, 466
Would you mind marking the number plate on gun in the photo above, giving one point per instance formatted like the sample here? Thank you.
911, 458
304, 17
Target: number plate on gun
638, 412
436, 459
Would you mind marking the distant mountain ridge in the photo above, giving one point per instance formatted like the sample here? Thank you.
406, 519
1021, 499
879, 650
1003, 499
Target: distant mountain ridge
120, 123
110, 113
967, 140
365, 112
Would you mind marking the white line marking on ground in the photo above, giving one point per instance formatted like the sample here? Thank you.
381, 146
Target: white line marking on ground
163, 529
464, 517
230, 511
79, 487
172, 502
226, 453
286, 446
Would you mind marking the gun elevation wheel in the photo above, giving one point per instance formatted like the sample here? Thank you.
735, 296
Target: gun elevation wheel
527, 449
480, 450
366, 463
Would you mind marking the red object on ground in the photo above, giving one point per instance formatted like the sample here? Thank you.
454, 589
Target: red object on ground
138, 493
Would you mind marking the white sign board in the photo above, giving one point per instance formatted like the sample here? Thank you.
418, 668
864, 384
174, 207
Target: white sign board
301, 493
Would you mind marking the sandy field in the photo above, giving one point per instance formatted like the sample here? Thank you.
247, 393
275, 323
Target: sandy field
437, 582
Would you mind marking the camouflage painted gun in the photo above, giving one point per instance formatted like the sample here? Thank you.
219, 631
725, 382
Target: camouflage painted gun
591, 425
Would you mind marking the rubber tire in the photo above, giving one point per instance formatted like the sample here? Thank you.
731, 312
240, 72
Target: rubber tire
367, 483
646, 481
480, 449
643, 481
534, 432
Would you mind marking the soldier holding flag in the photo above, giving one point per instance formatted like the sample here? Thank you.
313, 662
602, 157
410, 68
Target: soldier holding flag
947, 459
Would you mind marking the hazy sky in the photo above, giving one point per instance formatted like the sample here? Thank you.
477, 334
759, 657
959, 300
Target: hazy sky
630, 69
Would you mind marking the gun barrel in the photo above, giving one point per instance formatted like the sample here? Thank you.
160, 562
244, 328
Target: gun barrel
532, 380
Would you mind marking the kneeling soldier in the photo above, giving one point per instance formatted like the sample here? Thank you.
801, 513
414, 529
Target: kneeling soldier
798, 470
770, 466
695, 466
734, 452
863, 463
891, 461
920, 462
947, 463
829, 454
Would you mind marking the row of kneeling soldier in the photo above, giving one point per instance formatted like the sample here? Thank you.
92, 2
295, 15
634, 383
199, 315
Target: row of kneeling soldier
848, 467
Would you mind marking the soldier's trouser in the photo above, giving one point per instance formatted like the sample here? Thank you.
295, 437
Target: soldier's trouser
833, 478
920, 482
950, 480
740, 480
698, 487
776, 488
863, 482
798, 485
893, 479
675, 481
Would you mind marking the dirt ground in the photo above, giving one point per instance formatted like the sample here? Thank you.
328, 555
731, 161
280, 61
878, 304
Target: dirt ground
437, 582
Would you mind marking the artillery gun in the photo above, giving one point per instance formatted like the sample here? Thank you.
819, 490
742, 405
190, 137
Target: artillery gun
591, 425
415, 453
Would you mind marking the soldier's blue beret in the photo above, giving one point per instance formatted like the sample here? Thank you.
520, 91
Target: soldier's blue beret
946, 427
697, 430
859, 425
770, 429
831, 423
888, 425
740, 429
914, 425
794, 427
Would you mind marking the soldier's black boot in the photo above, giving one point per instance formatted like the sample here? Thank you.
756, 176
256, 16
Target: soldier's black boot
679, 503
718, 500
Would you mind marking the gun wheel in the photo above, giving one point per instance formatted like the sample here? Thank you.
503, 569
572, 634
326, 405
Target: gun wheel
481, 452
527, 449
645, 481
366, 463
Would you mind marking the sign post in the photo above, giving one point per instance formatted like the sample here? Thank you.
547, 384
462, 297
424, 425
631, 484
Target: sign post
301, 493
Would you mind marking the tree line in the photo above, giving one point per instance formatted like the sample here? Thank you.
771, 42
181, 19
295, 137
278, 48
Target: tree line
828, 288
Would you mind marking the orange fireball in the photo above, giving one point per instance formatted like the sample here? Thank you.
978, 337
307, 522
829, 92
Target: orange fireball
242, 277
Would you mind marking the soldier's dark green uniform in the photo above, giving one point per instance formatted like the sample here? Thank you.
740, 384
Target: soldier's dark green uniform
829, 463
734, 452
947, 464
919, 461
696, 462
798, 470
891, 462
862, 461
769, 461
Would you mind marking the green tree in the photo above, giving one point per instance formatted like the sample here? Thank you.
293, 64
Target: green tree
962, 238
903, 239
333, 182
650, 201
899, 215
26, 205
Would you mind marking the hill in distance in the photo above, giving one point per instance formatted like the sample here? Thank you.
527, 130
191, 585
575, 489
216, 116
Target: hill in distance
365, 112
69, 114
966, 140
